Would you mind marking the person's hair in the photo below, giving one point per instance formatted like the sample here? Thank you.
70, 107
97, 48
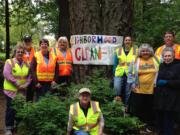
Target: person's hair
169, 32
145, 46
18, 46
168, 49
62, 38
43, 40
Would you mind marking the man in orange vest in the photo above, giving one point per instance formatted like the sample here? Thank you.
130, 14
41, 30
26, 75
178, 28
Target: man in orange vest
169, 39
27, 57
64, 60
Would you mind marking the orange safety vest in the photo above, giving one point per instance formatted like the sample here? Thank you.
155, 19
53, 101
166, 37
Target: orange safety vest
176, 48
45, 72
29, 58
65, 64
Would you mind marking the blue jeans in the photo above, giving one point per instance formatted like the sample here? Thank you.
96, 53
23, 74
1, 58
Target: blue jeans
10, 114
80, 132
120, 86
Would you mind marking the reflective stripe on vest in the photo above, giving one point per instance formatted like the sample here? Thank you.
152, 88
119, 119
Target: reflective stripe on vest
89, 123
45, 72
124, 60
159, 51
29, 58
20, 73
65, 64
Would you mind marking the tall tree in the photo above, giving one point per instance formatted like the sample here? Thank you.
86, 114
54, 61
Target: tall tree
64, 26
99, 17
7, 29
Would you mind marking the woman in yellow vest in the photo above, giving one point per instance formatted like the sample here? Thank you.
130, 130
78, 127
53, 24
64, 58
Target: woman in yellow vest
43, 68
64, 60
122, 59
16, 80
143, 73
85, 116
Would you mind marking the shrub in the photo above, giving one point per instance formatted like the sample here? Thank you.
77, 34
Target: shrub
49, 115
99, 86
117, 123
46, 117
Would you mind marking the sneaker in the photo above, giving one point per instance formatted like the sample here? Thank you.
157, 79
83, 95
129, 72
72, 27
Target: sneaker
148, 130
8, 132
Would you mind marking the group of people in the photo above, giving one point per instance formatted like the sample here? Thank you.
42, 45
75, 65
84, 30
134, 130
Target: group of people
32, 71
148, 83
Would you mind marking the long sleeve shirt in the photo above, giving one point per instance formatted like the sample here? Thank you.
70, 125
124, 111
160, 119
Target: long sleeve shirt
7, 72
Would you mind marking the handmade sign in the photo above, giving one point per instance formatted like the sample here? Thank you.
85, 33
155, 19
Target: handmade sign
94, 49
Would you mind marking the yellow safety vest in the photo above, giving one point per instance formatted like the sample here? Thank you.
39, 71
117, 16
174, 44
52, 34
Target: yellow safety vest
20, 73
89, 123
124, 60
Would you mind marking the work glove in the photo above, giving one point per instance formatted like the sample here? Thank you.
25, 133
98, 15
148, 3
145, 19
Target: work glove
161, 83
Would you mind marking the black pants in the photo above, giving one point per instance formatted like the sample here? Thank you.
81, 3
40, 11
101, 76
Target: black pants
30, 93
45, 87
141, 105
64, 79
10, 114
165, 122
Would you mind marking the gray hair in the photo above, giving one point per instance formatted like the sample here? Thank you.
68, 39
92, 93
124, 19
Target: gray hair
145, 46
168, 49
64, 38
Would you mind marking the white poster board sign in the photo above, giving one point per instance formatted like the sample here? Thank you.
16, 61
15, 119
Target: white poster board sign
94, 49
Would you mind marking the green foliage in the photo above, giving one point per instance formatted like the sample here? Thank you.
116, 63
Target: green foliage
46, 117
117, 123
99, 86
152, 19
49, 115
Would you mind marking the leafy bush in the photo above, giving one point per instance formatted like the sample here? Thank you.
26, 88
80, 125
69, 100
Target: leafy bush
49, 115
99, 86
46, 117
117, 123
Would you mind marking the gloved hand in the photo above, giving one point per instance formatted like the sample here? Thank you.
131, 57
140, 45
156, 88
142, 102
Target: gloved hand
161, 83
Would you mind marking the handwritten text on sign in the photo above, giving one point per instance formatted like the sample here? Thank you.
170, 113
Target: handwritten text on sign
94, 49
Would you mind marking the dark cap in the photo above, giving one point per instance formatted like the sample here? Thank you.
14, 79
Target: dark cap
27, 38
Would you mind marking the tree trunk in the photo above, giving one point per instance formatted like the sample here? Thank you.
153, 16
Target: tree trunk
7, 29
111, 17
117, 17
64, 29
